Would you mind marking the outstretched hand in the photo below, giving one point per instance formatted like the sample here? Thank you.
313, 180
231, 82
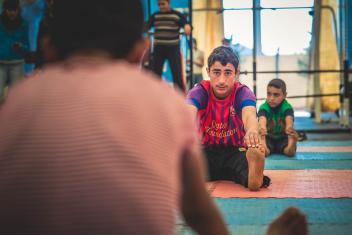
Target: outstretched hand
291, 132
252, 139
291, 222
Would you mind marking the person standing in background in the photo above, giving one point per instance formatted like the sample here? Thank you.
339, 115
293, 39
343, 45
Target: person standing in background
198, 63
13, 41
167, 23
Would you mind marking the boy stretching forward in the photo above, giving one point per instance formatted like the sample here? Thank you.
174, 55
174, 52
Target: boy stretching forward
276, 121
226, 112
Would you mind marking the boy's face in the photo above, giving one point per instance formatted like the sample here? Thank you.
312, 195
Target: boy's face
274, 96
164, 5
222, 79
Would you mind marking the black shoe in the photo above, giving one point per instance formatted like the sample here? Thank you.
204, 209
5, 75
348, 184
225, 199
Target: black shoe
301, 136
266, 181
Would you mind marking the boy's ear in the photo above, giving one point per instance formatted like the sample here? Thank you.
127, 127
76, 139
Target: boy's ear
238, 70
137, 51
208, 71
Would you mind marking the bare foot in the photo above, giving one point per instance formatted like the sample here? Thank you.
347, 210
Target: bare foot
291, 147
255, 159
290, 222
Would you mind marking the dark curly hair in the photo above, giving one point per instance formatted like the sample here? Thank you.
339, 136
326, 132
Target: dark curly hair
109, 25
278, 83
224, 55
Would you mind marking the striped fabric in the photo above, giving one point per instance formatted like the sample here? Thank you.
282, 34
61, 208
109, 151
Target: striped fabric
220, 124
91, 148
167, 27
220, 121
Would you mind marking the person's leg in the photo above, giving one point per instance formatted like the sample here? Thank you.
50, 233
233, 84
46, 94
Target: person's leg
158, 60
291, 147
16, 73
174, 57
256, 159
236, 168
214, 158
290, 222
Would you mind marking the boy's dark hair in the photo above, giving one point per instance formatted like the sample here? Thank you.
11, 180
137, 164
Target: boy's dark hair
278, 83
109, 25
224, 55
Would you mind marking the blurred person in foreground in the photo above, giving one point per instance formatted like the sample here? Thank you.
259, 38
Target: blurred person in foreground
94, 145
86, 149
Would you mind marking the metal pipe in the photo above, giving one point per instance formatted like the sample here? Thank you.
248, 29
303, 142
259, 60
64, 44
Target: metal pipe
316, 81
254, 47
149, 9
299, 71
307, 96
341, 56
220, 10
346, 101
150, 49
190, 44
277, 63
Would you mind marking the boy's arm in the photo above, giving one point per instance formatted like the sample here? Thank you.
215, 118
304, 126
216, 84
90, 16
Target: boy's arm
193, 109
289, 119
149, 24
263, 120
289, 126
249, 118
262, 125
199, 211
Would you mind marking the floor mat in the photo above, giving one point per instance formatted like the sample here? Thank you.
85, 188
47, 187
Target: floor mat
294, 164
326, 143
312, 156
249, 216
319, 229
293, 184
329, 149
264, 210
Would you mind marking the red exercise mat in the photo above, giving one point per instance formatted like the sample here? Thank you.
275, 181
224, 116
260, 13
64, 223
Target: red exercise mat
291, 184
322, 149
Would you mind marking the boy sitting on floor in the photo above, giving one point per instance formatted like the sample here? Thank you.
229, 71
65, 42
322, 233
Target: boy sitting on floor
276, 121
226, 112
